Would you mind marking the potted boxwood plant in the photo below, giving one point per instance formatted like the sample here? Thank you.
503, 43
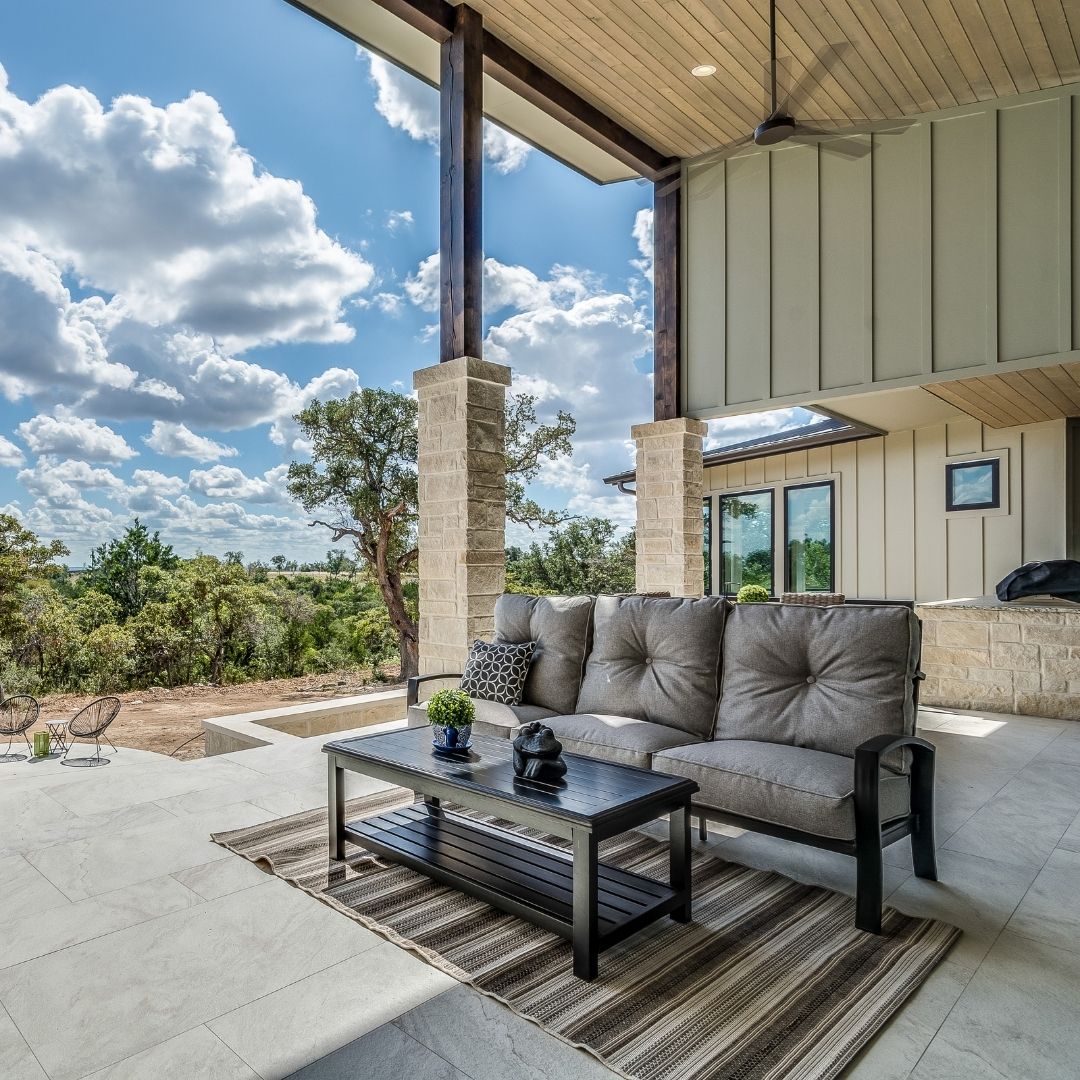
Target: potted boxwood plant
752, 594
450, 714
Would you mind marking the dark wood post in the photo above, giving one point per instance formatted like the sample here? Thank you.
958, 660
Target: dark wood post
461, 244
667, 295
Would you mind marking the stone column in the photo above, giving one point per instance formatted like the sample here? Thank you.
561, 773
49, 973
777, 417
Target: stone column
462, 496
669, 508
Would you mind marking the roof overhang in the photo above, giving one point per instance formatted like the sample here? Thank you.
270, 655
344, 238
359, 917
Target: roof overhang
413, 44
828, 432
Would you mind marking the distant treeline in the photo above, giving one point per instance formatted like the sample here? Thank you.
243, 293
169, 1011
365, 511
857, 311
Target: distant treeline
138, 615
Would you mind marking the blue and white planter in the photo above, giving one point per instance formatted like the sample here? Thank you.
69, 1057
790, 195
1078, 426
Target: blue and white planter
449, 738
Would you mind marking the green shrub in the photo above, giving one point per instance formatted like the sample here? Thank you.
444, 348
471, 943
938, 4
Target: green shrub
752, 594
451, 708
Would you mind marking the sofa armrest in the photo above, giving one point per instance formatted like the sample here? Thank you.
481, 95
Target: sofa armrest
868, 772
412, 694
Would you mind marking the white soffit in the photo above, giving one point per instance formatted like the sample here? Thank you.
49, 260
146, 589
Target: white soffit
893, 410
372, 26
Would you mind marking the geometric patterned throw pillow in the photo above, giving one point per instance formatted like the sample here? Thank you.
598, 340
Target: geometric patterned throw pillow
496, 672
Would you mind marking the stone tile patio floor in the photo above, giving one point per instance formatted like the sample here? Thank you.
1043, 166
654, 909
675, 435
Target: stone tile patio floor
132, 947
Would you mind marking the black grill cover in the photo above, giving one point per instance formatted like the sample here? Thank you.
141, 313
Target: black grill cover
1058, 577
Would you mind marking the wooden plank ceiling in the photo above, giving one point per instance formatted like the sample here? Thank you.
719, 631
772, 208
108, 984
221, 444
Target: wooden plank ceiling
632, 58
1016, 397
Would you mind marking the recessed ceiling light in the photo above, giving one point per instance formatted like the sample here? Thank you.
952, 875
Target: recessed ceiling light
703, 70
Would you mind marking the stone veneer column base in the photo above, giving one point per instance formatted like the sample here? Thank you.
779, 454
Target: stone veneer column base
986, 655
669, 509
462, 501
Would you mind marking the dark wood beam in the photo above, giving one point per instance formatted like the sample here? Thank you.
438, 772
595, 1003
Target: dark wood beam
461, 161
515, 72
667, 299
432, 17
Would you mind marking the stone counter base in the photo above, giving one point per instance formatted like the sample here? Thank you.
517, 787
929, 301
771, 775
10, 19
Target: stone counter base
1002, 658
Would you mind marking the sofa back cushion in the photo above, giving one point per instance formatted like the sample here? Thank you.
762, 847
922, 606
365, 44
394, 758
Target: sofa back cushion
823, 678
656, 659
560, 626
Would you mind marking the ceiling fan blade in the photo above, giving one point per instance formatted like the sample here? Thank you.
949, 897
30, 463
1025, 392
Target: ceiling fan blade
705, 159
856, 126
825, 59
834, 143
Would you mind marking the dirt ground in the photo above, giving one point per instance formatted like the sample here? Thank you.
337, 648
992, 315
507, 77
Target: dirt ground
170, 721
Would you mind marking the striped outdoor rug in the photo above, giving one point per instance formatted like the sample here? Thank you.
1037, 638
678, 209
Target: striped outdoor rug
770, 981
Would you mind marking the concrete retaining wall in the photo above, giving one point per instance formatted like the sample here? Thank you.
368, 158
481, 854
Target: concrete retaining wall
242, 731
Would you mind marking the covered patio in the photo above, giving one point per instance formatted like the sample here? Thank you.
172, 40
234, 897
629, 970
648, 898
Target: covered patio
842, 259
135, 947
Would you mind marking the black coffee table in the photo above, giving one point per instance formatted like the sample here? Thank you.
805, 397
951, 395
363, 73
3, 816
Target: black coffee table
577, 896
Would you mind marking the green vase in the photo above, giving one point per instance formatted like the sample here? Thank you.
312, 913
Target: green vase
42, 742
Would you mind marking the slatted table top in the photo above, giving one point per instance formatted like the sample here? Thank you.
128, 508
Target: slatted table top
593, 791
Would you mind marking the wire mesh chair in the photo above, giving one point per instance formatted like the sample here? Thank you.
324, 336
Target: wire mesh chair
17, 715
90, 723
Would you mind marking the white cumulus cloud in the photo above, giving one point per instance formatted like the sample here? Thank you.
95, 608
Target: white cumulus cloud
10, 455
48, 341
162, 206
228, 482
178, 440
643, 237
68, 435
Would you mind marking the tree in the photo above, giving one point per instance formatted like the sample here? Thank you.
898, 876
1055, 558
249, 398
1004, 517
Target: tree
583, 556
23, 558
528, 446
363, 473
116, 568
363, 478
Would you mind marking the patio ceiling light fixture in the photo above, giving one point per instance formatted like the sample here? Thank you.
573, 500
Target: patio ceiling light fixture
702, 71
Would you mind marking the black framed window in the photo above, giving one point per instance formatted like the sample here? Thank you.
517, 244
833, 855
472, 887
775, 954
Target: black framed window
809, 546
973, 485
746, 540
706, 512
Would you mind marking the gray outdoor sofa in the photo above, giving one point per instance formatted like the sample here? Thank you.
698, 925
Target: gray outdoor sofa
794, 721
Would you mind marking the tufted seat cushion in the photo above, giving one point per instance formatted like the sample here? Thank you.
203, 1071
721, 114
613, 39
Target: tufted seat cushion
820, 678
616, 738
492, 718
803, 789
560, 627
655, 659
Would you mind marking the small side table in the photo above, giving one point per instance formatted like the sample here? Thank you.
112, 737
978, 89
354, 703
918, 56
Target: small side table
57, 730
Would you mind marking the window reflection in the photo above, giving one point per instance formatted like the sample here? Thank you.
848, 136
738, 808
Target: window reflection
746, 540
808, 520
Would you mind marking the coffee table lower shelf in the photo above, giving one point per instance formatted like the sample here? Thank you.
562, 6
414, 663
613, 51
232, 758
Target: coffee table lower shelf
524, 877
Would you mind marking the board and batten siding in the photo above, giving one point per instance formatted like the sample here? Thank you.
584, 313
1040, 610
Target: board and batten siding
952, 248
893, 538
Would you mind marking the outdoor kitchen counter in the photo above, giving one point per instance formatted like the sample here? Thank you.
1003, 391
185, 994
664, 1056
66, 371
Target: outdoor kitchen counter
1002, 656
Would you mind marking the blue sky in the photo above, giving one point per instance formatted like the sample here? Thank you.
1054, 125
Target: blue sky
221, 210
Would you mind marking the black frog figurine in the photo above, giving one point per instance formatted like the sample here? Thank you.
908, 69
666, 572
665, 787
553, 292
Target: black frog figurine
537, 754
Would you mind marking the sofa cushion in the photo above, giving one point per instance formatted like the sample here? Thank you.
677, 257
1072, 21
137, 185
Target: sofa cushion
786, 785
615, 738
560, 627
655, 659
491, 717
822, 678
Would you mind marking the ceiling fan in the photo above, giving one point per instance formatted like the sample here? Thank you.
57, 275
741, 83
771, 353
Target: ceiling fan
780, 125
